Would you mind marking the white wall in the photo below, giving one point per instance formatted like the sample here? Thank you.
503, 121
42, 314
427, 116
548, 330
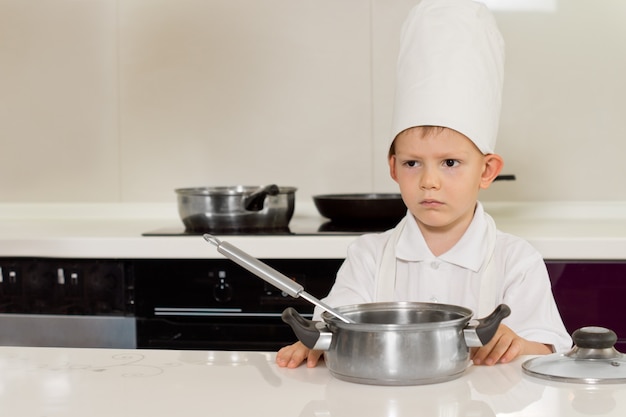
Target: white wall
106, 101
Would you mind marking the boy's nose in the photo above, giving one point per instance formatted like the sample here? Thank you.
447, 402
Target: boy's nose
429, 180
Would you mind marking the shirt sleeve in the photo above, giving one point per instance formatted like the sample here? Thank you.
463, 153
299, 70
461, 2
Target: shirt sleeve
527, 291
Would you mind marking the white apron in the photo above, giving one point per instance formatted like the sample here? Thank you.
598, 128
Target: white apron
386, 273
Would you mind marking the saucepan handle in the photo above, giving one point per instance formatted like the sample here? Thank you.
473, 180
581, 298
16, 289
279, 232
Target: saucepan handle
256, 200
310, 333
480, 332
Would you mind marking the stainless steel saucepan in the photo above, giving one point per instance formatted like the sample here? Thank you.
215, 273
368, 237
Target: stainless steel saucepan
226, 209
397, 343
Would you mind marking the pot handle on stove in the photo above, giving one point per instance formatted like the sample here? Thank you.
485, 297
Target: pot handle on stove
310, 333
255, 201
479, 332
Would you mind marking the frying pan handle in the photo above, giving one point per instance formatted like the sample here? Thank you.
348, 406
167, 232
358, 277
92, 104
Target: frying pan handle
481, 333
307, 331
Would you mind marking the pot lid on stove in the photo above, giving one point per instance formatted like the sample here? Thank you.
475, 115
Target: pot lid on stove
593, 360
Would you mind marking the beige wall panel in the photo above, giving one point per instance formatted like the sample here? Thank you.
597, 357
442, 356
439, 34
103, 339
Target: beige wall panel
58, 101
562, 128
226, 92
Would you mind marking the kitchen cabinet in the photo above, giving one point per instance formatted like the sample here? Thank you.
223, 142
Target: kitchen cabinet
220, 304
591, 293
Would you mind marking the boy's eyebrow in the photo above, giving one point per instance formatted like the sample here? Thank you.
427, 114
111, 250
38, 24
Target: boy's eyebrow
453, 154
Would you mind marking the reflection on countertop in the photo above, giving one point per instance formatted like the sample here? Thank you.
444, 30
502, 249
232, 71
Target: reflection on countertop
105, 382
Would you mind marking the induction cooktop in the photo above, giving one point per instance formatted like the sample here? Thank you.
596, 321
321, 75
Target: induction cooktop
296, 227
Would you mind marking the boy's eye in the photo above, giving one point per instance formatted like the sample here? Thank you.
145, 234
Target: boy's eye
450, 162
411, 163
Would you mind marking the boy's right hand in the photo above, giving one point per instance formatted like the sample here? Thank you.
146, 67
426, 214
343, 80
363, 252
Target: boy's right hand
293, 355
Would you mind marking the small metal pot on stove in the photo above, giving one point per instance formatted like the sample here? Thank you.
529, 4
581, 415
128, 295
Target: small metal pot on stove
236, 208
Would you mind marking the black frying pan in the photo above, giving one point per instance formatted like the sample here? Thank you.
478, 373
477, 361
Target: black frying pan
368, 207
361, 208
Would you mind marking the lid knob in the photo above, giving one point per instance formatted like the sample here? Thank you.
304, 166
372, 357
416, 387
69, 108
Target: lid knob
593, 337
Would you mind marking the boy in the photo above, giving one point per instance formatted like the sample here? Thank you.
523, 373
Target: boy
447, 249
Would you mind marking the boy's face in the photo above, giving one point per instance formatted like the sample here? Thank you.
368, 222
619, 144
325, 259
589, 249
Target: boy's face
440, 172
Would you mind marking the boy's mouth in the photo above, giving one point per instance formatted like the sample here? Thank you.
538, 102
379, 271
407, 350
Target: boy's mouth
431, 203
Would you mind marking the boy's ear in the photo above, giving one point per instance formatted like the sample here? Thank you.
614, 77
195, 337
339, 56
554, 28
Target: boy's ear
493, 165
392, 167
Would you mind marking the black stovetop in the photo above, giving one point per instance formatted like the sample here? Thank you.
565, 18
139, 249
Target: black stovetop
294, 229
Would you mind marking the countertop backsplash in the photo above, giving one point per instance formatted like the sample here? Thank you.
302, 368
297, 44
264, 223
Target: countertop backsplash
126, 100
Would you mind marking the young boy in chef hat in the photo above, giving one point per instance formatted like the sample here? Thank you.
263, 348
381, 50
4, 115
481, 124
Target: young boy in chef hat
447, 249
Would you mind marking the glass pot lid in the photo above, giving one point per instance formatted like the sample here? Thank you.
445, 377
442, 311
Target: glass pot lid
592, 360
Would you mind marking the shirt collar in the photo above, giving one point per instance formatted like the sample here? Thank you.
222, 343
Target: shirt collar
468, 252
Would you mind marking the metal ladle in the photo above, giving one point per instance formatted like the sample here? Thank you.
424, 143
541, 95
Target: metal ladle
269, 274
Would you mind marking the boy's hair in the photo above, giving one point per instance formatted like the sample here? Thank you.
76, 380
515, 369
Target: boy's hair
426, 130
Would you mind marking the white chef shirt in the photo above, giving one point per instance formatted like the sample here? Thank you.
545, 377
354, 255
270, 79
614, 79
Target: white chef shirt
521, 277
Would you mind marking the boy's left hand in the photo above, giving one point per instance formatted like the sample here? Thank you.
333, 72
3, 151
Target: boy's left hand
505, 346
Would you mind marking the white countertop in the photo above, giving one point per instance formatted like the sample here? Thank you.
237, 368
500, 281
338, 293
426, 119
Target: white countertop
53, 382
583, 230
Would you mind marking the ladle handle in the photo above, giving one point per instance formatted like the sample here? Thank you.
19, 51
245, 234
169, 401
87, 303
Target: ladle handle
269, 274
325, 307
258, 268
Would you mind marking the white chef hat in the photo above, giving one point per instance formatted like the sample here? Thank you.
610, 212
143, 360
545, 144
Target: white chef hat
450, 71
